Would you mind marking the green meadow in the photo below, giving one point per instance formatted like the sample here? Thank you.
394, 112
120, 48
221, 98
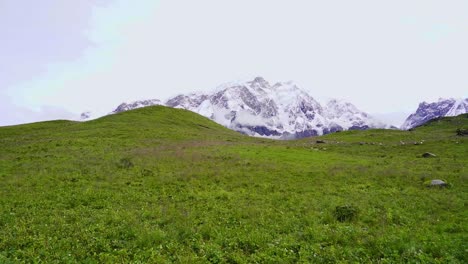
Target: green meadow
161, 185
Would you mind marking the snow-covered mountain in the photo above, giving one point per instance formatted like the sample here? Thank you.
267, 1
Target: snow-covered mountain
257, 108
441, 108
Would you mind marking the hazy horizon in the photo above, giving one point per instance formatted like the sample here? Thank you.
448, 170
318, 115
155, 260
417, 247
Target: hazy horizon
63, 58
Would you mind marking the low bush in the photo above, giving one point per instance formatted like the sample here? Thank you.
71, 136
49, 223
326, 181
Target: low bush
345, 213
125, 163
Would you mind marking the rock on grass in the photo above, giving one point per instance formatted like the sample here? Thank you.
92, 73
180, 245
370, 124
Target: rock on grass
435, 183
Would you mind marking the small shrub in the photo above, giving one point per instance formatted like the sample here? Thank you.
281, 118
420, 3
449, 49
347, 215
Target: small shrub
146, 173
345, 213
125, 163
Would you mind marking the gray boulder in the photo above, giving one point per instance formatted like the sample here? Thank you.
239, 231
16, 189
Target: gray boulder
436, 183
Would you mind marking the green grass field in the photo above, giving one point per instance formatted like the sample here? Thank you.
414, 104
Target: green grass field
160, 185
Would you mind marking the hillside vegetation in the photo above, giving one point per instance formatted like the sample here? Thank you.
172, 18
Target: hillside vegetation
162, 185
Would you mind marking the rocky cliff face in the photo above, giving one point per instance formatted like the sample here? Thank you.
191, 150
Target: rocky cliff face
441, 108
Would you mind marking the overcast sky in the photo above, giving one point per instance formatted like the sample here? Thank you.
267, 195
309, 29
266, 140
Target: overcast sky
60, 58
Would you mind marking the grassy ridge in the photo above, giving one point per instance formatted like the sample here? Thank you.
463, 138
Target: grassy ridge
164, 185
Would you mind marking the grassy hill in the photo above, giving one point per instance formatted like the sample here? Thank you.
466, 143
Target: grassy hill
164, 185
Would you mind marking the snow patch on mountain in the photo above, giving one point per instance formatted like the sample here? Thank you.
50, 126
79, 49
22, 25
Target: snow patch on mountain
459, 107
346, 115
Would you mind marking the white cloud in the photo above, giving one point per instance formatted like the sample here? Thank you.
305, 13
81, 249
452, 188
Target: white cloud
11, 114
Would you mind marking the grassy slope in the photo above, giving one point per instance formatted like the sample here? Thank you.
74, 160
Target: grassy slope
165, 185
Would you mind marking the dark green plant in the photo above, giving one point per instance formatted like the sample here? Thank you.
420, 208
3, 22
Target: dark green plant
146, 173
344, 213
125, 163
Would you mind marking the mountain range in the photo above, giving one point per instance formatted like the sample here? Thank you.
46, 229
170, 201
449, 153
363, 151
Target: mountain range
258, 108
285, 111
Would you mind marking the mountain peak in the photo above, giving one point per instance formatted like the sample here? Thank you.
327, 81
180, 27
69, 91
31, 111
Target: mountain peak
136, 104
85, 115
259, 82
259, 79
341, 104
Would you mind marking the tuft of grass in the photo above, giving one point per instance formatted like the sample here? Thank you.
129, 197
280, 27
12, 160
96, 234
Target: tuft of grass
125, 163
345, 213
